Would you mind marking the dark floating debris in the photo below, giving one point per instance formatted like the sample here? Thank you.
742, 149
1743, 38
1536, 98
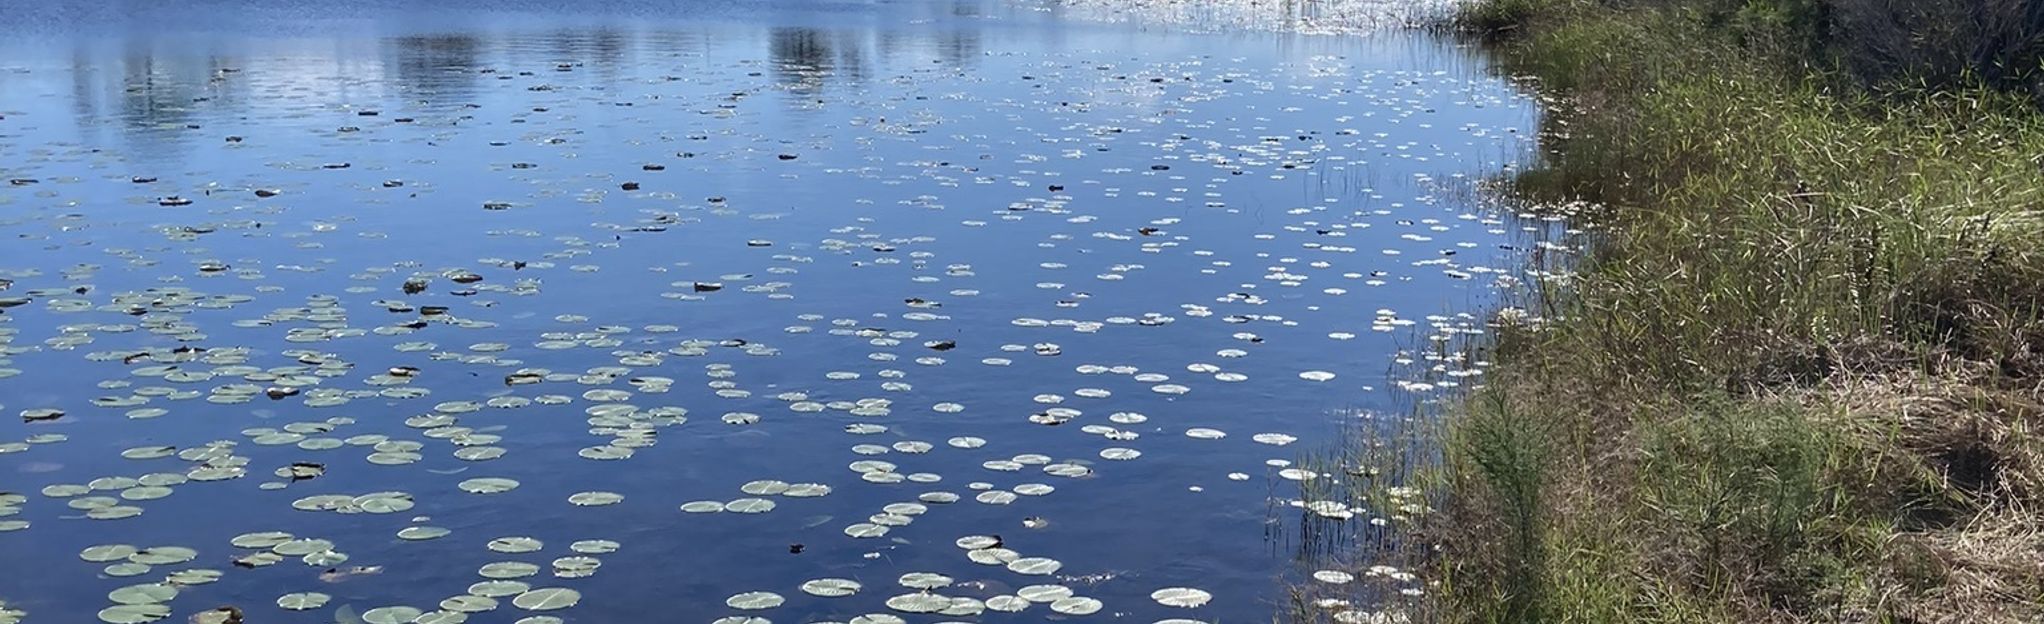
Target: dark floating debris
336, 575
301, 471
224, 614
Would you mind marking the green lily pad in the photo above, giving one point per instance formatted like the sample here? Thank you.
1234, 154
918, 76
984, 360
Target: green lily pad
547, 599
508, 570
1182, 597
831, 587
391, 615
303, 601
107, 552
468, 604
753, 601
749, 505
133, 613
421, 533
265, 539
595, 499
146, 593
498, 589
488, 485
1076, 605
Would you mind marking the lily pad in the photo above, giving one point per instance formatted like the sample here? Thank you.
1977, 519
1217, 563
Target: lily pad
919, 602
133, 613
391, 615
488, 485
147, 593
1182, 597
547, 599
749, 505
752, 601
1076, 605
595, 499
303, 601
831, 587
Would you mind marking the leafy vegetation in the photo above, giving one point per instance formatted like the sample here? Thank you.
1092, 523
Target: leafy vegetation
1798, 374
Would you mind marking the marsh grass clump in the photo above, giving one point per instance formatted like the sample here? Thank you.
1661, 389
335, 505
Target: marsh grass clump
1799, 371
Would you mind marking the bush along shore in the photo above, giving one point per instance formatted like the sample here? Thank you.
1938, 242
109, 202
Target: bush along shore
1795, 376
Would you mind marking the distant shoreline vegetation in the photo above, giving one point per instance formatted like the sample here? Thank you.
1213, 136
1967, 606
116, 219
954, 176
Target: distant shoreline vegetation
1796, 376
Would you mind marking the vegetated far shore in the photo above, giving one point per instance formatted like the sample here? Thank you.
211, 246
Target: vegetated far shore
1795, 377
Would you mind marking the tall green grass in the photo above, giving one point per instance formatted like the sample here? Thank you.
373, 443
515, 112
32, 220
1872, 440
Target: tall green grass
1796, 376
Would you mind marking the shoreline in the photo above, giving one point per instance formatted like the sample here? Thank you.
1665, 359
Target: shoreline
1798, 376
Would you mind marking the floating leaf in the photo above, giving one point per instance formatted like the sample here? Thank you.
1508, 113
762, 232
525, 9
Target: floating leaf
753, 601
1044, 593
514, 544
1076, 605
919, 602
468, 604
594, 547
498, 589
1182, 597
1007, 603
924, 580
831, 587
508, 570
391, 615
133, 613
420, 533
594, 499
749, 505
488, 485
147, 593
547, 599
266, 539
107, 552
303, 601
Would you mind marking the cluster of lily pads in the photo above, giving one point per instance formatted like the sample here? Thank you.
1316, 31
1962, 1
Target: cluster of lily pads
1121, 178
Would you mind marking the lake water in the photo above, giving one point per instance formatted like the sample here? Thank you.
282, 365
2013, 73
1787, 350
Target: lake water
907, 271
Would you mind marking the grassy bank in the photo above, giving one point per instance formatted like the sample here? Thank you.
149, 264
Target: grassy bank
1796, 376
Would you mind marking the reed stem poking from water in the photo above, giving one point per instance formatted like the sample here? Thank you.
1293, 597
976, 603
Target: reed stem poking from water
1799, 374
